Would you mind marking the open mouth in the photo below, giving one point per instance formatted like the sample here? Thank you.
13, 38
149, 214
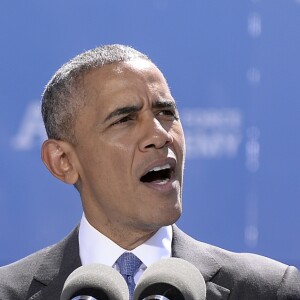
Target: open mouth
159, 175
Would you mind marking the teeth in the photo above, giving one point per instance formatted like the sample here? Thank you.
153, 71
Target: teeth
167, 166
163, 181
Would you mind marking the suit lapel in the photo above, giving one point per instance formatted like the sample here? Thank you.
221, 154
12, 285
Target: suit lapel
185, 247
58, 262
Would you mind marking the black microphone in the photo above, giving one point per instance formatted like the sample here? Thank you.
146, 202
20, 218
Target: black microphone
171, 279
95, 282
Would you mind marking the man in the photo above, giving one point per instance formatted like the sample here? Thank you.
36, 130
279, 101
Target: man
115, 134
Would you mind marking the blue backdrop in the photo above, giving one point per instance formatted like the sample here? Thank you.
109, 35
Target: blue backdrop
233, 67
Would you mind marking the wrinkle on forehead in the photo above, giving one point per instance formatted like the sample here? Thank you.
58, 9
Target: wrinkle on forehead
139, 75
139, 66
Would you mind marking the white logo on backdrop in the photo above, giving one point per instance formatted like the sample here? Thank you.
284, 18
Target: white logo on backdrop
31, 132
212, 133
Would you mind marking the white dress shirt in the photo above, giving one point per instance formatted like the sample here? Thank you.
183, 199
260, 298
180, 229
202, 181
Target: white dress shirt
94, 247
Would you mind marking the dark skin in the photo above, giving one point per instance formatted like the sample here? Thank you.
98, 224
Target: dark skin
129, 126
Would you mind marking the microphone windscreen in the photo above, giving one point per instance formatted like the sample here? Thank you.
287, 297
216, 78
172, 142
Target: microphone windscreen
173, 278
96, 280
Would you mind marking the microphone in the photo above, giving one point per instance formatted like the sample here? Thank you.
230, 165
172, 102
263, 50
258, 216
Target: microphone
95, 282
171, 279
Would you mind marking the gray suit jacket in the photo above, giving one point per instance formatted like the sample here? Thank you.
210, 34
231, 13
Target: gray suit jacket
228, 275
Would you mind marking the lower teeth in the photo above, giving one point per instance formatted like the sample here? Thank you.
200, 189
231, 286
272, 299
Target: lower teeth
163, 181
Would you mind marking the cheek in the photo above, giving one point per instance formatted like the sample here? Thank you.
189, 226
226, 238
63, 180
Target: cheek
107, 158
92, 160
117, 159
123, 147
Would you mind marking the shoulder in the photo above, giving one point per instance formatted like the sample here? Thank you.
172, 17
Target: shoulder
16, 278
256, 274
242, 273
21, 278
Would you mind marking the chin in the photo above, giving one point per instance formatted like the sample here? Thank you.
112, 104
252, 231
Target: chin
168, 219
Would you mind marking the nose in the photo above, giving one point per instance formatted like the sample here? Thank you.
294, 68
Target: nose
154, 135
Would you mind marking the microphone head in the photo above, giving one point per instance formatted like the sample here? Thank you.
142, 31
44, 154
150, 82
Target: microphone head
172, 278
95, 280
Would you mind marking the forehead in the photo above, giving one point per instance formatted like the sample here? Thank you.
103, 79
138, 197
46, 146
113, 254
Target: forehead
125, 81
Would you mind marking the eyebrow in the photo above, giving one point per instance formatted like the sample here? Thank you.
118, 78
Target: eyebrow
123, 111
161, 103
164, 103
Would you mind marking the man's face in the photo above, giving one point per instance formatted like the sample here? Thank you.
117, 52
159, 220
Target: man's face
130, 148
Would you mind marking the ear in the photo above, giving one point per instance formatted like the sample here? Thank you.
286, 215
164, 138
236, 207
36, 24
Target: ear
60, 159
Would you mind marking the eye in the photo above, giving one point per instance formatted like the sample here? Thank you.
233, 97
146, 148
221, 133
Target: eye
167, 114
123, 120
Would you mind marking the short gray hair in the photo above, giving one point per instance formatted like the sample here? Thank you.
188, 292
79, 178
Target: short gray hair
61, 100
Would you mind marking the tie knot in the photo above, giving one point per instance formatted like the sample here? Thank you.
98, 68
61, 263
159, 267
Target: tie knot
128, 264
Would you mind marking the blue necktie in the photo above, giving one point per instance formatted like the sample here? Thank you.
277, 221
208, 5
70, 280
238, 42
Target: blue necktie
129, 264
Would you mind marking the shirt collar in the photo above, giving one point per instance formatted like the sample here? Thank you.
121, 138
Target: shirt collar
94, 247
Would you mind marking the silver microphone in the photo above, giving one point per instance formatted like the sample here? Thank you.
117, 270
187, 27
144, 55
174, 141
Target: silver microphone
171, 279
95, 282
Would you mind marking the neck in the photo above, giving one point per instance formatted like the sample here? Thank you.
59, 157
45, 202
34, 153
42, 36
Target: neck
132, 240
127, 237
